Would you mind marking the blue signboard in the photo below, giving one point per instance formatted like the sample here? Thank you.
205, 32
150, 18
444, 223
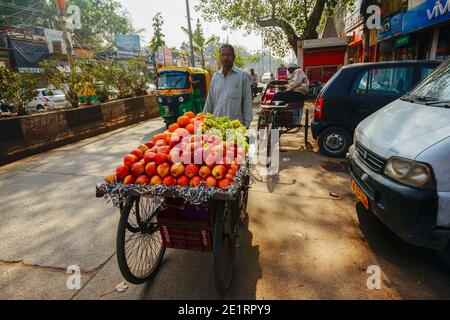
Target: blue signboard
391, 27
128, 43
429, 13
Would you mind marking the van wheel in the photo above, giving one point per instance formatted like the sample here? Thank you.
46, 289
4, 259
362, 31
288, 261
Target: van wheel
444, 254
40, 107
334, 142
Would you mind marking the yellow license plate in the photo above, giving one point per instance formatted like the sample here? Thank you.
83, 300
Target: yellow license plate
360, 194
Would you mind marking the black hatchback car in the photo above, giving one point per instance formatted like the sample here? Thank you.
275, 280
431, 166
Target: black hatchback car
355, 92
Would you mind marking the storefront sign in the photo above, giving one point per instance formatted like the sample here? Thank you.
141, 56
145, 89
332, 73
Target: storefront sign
426, 14
30, 70
128, 45
353, 21
402, 41
168, 58
391, 27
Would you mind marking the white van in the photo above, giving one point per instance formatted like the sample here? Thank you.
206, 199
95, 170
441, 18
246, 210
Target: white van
400, 164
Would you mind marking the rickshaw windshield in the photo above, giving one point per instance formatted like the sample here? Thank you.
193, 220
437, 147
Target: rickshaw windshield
173, 80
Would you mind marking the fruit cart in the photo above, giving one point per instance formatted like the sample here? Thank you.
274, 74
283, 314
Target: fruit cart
153, 218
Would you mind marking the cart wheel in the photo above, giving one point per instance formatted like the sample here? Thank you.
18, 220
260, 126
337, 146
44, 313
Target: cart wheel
243, 200
139, 253
131, 224
224, 245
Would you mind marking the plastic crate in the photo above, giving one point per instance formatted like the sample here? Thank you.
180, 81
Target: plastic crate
185, 226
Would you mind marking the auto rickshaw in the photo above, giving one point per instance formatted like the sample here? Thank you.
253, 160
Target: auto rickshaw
181, 89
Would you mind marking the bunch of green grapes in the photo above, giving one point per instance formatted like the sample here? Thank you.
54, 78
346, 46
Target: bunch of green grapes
230, 130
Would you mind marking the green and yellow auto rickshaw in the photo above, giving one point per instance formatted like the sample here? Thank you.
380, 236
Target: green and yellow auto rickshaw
181, 89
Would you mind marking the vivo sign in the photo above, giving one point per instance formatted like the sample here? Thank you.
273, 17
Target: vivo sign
438, 10
428, 13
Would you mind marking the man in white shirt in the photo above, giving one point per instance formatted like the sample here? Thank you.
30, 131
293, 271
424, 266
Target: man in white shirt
230, 92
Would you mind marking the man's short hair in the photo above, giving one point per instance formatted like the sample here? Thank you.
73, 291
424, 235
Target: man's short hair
226, 45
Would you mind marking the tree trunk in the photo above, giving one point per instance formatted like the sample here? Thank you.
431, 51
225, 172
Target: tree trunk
314, 20
309, 33
202, 54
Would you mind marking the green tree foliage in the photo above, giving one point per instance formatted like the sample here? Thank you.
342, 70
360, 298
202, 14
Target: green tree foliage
200, 42
127, 77
17, 88
70, 82
158, 36
26, 13
297, 19
101, 20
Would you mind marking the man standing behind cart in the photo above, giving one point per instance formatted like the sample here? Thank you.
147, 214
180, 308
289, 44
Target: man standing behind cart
230, 91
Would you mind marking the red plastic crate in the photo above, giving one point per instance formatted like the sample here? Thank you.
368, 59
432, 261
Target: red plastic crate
185, 227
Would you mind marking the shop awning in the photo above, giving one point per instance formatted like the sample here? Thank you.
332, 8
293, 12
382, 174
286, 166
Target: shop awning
27, 55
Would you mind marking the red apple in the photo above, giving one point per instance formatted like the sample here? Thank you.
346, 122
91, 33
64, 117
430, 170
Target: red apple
231, 172
234, 166
191, 170
229, 177
160, 143
150, 144
224, 183
142, 179
149, 156
156, 180
177, 170
204, 172
181, 132
143, 148
175, 155
163, 149
210, 160
161, 158
219, 172
151, 169
130, 179
138, 169
169, 181
130, 159
211, 182
186, 157
138, 153
163, 170
183, 181
195, 181
122, 171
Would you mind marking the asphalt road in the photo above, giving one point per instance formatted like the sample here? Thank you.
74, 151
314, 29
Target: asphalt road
300, 242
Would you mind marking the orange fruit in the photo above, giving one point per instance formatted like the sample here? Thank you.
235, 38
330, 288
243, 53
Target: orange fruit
190, 114
173, 127
183, 121
190, 128
159, 136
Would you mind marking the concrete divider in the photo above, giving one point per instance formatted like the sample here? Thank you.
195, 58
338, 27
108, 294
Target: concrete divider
28, 135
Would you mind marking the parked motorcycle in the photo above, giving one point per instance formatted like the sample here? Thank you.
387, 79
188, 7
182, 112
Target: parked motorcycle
315, 88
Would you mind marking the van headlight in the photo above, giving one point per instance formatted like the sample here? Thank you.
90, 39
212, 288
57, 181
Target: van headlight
180, 99
409, 172
160, 99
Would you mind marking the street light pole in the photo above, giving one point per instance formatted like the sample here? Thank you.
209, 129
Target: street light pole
190, 33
